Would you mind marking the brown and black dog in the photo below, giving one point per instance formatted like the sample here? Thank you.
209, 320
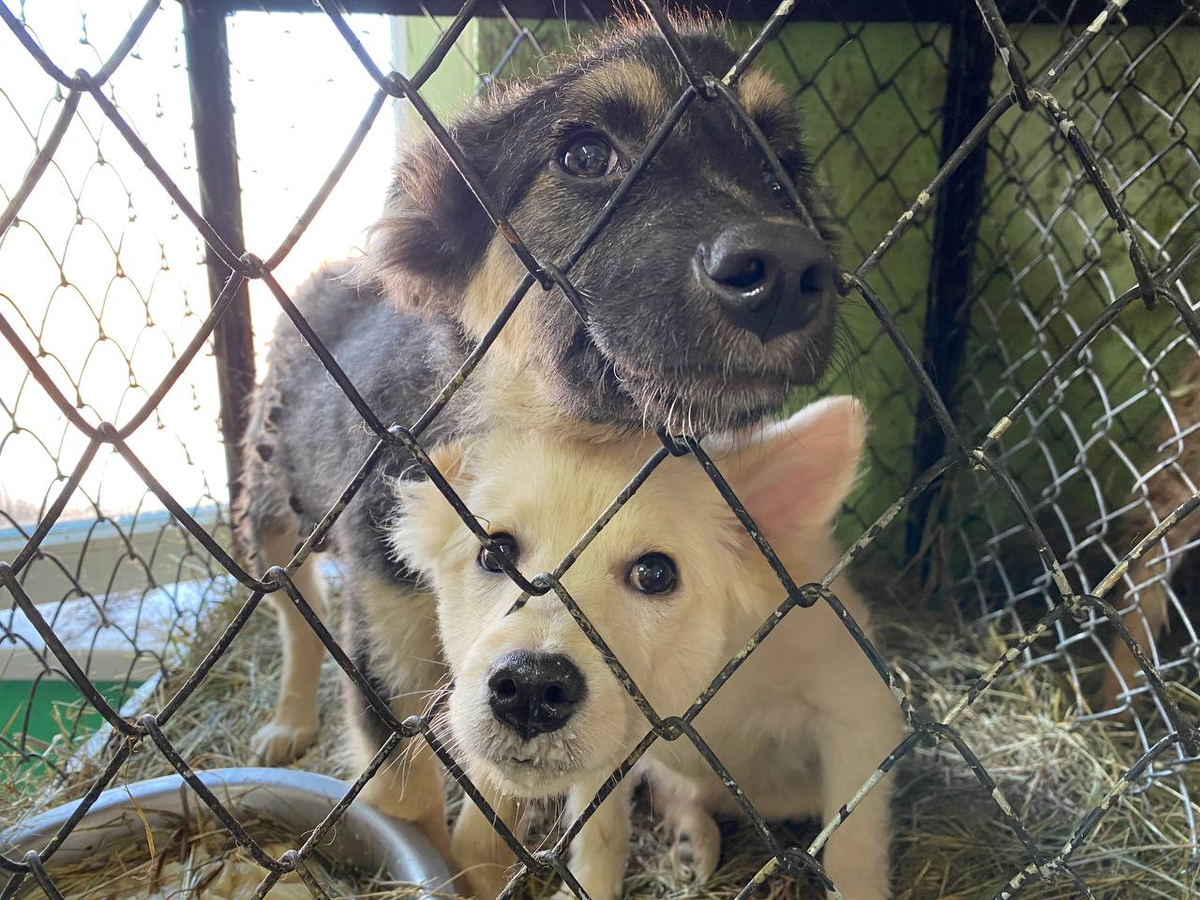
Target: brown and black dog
707, 299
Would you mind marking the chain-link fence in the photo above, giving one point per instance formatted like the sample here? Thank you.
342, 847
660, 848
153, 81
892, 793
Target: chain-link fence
102, 285
1111, 436
1027, 220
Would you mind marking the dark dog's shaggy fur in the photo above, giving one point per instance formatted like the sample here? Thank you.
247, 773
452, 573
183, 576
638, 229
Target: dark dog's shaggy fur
707, 299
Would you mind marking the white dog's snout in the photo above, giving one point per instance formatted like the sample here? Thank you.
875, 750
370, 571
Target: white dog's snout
534, 692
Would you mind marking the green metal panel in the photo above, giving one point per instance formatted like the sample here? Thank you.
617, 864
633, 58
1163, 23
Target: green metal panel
1049, 261
456, 80
48, 711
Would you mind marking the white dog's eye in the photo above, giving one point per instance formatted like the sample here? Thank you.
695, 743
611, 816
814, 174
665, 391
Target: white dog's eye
507, 544
653, 573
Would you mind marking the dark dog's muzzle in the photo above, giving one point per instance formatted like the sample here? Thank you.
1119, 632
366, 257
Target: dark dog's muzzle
770, 278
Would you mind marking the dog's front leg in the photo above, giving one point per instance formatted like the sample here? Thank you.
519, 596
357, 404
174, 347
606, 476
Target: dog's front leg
600, 850
391, 640
294, 725
852, 742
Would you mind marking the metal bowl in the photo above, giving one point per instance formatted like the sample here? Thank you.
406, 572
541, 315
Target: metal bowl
363, 838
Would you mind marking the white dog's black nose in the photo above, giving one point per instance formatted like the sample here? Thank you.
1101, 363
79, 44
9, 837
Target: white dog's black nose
534, 693
770, 278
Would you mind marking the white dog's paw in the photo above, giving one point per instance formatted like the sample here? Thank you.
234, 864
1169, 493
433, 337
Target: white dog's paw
859, 870
601, 883
696, 850
278, 743
485, 881
852, 894
565, 893
864, 892
852, 888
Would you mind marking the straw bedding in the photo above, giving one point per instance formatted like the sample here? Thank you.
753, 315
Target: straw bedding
951, 842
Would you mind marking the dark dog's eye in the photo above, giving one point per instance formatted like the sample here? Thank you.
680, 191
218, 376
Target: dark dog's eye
587, 155
775, 186
488, 561
653, 573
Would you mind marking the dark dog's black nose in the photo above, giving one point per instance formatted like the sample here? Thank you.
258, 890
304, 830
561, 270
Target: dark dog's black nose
534, 693
770, 278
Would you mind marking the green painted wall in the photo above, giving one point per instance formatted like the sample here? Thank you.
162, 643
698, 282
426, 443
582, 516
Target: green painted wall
1048, 263
50, 711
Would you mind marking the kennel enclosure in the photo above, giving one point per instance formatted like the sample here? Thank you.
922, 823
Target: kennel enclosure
1017, 184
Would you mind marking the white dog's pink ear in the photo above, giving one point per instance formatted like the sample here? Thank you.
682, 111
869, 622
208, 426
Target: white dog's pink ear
795, 476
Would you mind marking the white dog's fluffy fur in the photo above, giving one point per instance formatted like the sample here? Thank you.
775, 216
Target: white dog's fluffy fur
801, 725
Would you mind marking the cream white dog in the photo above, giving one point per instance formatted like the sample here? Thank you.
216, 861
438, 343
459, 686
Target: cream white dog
675, 587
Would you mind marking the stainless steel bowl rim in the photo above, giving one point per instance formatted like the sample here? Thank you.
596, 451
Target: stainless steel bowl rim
363, 837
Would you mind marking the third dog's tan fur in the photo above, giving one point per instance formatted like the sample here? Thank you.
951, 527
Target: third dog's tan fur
1175, 478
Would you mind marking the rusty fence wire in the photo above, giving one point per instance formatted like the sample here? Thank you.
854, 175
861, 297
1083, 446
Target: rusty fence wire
1027, 96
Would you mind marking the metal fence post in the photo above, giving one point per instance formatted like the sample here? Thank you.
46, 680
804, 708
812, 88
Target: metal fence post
972, 55
207, 53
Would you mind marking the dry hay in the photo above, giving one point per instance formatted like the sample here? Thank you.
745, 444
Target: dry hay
198, 860
951, 842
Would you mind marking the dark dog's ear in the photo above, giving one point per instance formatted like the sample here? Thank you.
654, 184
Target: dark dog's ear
433, 231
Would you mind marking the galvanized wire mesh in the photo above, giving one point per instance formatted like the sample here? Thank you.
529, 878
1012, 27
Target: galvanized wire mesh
1030, 98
